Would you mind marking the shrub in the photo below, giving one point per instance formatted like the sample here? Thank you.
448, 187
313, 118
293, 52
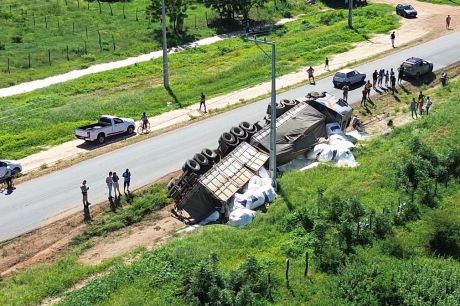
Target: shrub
444, 239
2, 46
16, 39
382, 226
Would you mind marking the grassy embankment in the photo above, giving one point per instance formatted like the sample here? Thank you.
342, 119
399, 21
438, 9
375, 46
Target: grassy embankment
26, 32
449, 2
47, 117
385, 269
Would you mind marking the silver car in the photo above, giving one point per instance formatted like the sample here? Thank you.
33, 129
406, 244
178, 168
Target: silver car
348, 77
14, 165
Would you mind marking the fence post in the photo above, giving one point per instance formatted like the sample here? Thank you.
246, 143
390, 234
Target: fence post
86, 50
73, 27
287, 273
29, 62
100, 6
306, 265
67, 49
111, 11
113, 42
9, 65
137, 19
270, 286
46, 22
78, 1
66, 4
49, 56
88, 5
100, 40
86, 29
206, 17
124, 15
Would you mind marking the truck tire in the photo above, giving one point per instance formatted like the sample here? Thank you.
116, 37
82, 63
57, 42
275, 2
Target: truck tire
204, 163
130, 130
211, 155
101, 138
191, 166
239, 133
280, 109
227, 142
289, 104
251, 129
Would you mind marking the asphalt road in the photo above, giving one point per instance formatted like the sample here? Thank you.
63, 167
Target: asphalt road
35, 201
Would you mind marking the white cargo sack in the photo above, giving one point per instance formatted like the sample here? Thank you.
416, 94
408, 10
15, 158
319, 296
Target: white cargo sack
241, 217
345, 158
211, 218
340, 141
333, 128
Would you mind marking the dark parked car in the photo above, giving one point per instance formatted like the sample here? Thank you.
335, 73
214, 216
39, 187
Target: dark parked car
347, 77
416, 67
406, 10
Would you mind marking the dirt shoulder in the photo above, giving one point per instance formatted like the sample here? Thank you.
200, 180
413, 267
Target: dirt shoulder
428, 25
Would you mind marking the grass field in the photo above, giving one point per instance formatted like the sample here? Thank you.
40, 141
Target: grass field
48, 117
31, 28
398, 268
449, 2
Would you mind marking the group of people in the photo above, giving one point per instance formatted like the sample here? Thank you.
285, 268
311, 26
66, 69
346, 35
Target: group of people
384, 79
421, 104
112, 181
8, 179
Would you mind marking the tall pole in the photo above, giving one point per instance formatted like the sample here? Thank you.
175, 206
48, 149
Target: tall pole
350, 14
165, 46
272, 162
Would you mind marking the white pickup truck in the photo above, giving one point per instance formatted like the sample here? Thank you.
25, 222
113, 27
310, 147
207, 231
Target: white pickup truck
105, 127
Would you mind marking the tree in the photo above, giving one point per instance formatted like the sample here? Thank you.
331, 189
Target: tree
229, 9
176, 10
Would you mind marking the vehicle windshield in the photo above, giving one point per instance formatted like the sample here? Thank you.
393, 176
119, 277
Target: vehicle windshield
408, 65
340, 75
408, 7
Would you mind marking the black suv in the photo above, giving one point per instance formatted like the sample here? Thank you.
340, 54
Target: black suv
406, 10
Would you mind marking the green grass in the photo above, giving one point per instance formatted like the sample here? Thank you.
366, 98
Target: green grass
374, 271
34, 284
71, 26
34, 121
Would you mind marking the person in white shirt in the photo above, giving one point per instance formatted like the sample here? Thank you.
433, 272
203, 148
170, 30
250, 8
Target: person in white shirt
109, 183
428, 104
84, 191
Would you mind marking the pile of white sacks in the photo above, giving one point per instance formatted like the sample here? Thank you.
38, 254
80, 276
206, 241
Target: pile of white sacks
336, 148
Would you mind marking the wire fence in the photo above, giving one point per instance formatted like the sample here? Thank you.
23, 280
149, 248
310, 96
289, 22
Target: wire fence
79, 38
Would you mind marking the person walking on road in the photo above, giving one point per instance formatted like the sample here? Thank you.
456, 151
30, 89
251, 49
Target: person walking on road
393, 83
345, 90
387, 78
428, 104
326, 64
109, 182
84, 191
413, 108
375, 75
310, 72
203, 101
116, 185
380, 77
126, 180
392, 38
400, 74
448, 19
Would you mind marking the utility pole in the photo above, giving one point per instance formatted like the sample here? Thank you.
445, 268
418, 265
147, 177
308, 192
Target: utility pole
350, 14
272, 161
165, 46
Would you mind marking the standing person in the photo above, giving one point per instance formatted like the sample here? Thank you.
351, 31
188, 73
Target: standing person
326, 64
400, 74
109, 182
387, 78
126, 180
203, 101
421, 101
84, 191
413, 108
9, 178
428, 104
392, 38
368, 87
345, 90
116, 185
393, 83
374, 77
364, 98
310, 72
448, 19
392, 72
381, 76
144, 120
